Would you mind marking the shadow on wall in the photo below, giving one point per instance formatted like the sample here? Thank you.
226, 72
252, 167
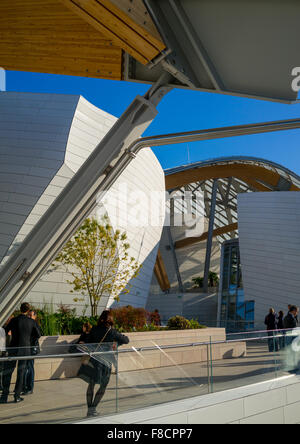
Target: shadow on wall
199, 306
139, 287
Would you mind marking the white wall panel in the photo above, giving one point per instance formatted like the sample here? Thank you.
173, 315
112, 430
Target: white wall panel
27, 125
44, 140
269, 230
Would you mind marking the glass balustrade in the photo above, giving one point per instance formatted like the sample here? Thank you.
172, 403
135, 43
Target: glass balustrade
139, 375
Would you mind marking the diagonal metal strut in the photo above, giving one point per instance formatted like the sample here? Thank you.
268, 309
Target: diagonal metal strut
78, 199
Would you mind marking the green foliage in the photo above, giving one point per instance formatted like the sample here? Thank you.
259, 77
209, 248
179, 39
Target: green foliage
65, 317
97, 258
198, 281
152, 327
212, 277
62, 322
178, 323
194, 325
127, 319
48, 321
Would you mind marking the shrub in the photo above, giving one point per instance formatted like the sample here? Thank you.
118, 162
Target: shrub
129, 318
194, 325
47, 320
154, 318
213, 279
152, 327
178, 323
198, 282
65, 317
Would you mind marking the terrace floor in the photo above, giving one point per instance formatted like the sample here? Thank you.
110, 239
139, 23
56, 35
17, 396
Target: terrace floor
63, 401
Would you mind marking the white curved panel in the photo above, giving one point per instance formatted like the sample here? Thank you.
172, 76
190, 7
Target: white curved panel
44, 141
141, 214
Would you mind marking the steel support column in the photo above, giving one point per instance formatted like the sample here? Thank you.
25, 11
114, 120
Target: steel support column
210, 234
175, 261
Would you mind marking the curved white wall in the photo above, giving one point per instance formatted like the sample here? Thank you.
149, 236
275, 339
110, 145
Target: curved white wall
44, 140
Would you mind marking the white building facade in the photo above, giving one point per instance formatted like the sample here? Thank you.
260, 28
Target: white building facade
44, 140
269, 239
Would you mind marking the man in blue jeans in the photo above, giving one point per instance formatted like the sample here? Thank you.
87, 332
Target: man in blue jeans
35, 349
24, 331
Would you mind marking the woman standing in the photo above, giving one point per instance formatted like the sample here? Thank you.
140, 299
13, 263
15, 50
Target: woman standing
98, 369
86, 330
4, 343
280, 327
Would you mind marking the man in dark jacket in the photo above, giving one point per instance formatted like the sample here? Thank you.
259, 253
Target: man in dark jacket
35, 350
271, 323
290, 322
23, 332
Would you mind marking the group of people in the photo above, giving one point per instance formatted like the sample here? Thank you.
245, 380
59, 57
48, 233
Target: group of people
20, 338
278, 325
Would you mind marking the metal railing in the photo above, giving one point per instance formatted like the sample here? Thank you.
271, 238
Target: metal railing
276, 334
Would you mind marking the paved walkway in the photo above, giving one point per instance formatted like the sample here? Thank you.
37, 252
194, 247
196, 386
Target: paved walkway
60, 401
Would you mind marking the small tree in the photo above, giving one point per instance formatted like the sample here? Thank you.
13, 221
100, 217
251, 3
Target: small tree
98, 260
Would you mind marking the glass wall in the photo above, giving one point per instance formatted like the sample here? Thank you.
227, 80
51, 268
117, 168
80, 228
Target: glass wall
237, 314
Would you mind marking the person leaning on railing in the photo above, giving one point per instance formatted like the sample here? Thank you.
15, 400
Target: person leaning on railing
97, 369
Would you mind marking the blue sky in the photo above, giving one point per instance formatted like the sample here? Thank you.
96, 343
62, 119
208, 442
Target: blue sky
183, 110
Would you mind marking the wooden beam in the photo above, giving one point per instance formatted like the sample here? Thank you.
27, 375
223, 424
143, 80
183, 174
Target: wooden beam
249, 174
161, 273
118, 27
194, 240
140, 15
45, 36
135, 13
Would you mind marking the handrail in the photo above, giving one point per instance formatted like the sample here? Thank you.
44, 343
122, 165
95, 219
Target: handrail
146, 348
262, 331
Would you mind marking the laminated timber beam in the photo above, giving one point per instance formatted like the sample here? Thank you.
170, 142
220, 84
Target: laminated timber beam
187, 242
119, 27
45, 36
84, 38
258, 177
161, 273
